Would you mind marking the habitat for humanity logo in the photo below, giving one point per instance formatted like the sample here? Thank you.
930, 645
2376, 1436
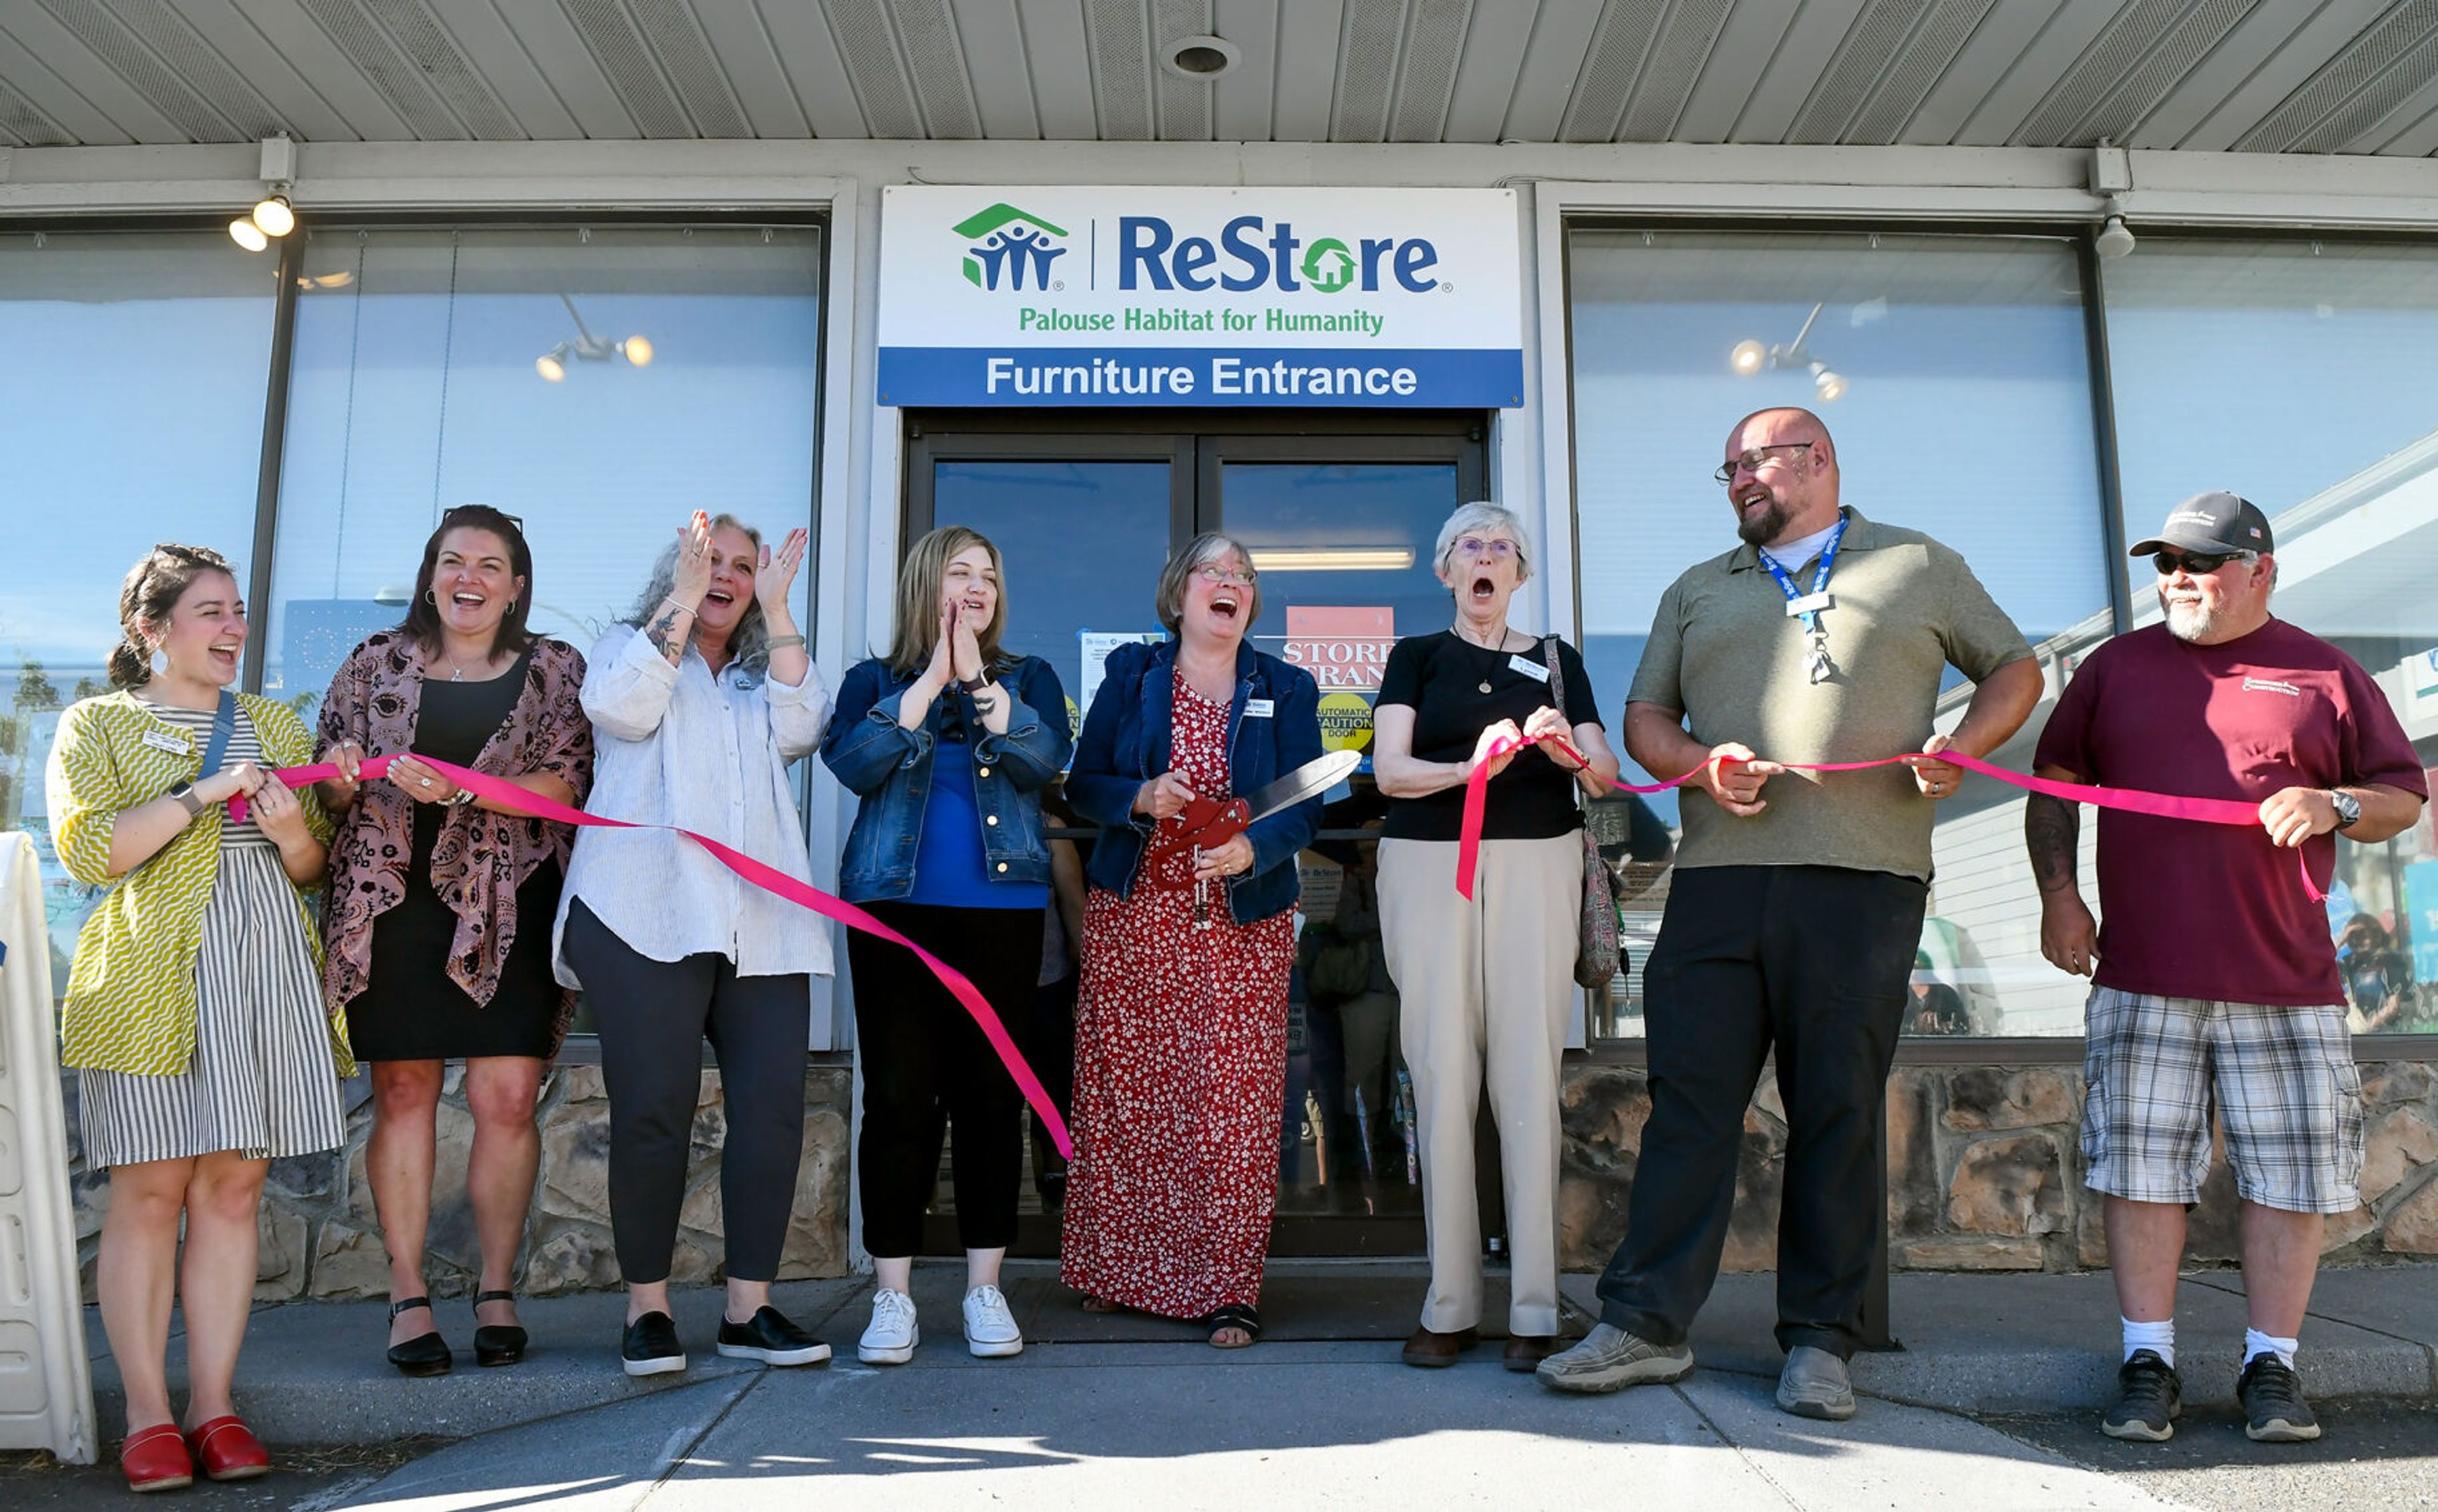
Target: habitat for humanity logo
1006, 239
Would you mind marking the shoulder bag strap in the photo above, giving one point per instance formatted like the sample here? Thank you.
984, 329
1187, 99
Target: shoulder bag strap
223, 727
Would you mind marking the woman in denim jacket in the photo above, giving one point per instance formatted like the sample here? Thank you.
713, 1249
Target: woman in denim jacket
948, 741
1181, 1022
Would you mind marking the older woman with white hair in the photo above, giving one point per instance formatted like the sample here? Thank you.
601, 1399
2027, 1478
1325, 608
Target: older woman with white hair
700, 699
1484, 986
1181, 1020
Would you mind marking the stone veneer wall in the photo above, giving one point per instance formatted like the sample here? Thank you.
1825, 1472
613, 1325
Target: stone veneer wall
1984, 1172
320, 1238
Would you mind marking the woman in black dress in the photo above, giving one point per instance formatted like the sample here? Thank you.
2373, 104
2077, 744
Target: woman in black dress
440, 902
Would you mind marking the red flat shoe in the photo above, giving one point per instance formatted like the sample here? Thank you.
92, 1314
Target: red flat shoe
155, 1459
227, 1450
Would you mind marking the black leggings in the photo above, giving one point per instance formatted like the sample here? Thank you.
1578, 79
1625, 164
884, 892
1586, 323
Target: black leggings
921, 1051
653, 1017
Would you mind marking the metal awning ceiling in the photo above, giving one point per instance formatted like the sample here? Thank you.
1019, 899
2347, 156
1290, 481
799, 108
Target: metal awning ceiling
2268, 75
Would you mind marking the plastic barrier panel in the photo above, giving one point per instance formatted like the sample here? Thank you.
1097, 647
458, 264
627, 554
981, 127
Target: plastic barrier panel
45, 1381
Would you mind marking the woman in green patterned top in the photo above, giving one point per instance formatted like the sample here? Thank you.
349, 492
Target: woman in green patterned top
194, 1009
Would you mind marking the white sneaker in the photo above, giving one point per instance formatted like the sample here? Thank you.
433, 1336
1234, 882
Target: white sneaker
990, 1327
891, 1337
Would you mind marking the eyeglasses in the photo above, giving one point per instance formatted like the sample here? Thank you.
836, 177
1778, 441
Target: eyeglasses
1750, 460
1215, 575
2197, 563
1499, 548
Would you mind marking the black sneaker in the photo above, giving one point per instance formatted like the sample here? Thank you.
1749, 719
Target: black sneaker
2150, 1397
650, 1346
772, 1339
2273, 1409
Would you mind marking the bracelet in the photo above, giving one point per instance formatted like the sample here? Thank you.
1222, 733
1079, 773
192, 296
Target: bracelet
780, 643
672, 603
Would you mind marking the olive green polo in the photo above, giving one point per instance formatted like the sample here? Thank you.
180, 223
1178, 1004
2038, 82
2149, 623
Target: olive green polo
1725, 652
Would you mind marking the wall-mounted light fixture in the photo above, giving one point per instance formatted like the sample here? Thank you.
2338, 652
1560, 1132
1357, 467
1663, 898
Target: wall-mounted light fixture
588, 347
274, 214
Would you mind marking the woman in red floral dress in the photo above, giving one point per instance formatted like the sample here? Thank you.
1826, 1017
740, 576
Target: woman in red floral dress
1181, 1022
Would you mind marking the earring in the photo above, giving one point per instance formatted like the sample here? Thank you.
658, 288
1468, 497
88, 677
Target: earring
512, 607
159, 662
431, 596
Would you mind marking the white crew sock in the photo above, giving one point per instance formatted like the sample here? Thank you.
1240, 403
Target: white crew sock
2257, 1344
2159, 1338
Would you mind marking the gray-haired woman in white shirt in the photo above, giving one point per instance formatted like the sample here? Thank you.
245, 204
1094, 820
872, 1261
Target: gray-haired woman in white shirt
699, 702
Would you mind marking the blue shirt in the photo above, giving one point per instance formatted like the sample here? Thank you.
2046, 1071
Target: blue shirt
950, 870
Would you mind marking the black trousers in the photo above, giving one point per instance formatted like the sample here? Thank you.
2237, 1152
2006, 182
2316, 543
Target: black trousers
1810, 962
654, 1016
922, 1053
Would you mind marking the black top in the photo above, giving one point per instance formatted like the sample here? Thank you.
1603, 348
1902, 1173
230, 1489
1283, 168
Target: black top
410, 1009
1440, 677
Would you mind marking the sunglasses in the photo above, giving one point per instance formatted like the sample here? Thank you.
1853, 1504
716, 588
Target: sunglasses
2197, 562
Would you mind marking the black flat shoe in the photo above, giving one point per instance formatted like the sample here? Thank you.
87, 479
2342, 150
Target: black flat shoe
497, 1343
650, 1347
769, 1337
426, 1354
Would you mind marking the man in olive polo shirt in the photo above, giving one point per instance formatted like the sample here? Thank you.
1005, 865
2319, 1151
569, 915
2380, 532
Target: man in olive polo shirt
1796, 905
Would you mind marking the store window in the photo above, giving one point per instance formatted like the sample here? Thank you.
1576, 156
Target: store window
601, 384
1954, 373
134, 415
2303, 376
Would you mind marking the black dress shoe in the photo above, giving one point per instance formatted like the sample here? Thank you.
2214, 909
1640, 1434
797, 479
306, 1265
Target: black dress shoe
497, 1343
426, 1354
769, 1337
650, 1346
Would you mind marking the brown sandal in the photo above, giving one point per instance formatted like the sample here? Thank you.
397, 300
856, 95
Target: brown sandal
1101, 1306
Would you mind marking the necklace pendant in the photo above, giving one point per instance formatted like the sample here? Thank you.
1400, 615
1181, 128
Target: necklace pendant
457, 675
1485, 684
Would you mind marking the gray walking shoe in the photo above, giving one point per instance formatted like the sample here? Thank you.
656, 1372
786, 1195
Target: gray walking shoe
1814, 1384
1610, 1359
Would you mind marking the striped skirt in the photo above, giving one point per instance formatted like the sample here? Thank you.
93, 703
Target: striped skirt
263, 1084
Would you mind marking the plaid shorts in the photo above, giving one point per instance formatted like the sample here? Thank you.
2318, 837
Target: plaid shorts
2281, 1080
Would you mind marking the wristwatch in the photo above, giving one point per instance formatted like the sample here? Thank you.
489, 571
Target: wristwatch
2348, 806
970, 686
184, 792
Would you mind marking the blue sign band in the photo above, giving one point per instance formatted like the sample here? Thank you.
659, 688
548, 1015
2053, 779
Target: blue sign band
1210, 377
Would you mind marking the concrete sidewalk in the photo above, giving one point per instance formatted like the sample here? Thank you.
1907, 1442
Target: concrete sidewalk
1979, 1344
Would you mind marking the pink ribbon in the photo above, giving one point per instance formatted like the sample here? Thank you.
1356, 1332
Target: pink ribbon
2132, 800
523, 800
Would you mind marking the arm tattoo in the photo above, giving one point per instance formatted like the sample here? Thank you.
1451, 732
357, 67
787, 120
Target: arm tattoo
2052, 831
663, 634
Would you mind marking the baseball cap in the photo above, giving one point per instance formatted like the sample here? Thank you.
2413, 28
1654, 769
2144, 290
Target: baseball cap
2215, 522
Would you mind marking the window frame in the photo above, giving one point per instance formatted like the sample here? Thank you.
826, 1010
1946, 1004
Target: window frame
2082, 233
581, 1048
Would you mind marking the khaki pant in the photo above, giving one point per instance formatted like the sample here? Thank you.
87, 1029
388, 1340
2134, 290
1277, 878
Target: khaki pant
1485, 989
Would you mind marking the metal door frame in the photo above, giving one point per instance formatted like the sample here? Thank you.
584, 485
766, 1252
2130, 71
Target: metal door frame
1196, 444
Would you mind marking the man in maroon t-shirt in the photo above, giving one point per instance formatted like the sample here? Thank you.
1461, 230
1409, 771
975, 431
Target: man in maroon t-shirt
2216, 984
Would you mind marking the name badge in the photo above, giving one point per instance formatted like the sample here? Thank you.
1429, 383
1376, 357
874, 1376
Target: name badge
1809, 604
1257, 708
1520, 662
162, 740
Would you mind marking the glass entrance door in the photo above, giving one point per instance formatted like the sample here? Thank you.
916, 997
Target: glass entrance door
1341, 520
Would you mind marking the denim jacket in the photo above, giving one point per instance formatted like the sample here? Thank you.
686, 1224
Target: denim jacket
889, 766
1125, 743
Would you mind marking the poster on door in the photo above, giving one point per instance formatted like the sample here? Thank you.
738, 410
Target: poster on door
1346, 649
1097, 645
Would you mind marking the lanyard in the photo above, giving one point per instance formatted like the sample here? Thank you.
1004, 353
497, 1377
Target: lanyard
1815, 657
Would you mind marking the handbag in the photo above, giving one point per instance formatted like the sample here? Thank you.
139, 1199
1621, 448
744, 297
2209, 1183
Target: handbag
1596, 944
